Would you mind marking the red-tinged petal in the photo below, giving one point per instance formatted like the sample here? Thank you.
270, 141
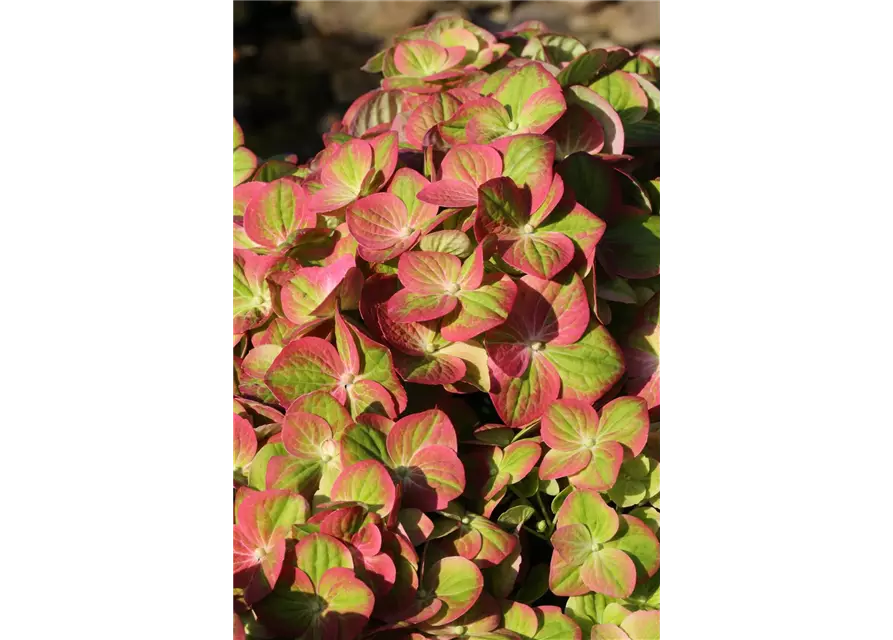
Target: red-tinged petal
406, 185
625, 420
560, 464
413, 432
450, 193
503, 209
471, 164
550, 311
564, 579
420, 58
488, 124
457, 583
417, 526
299, 475
520, 87
289, 610
520, 458
480, 310
433, 477
378, 221
244, 442
367, 540
432, 112
326, 407
436, 369
577, 130
468, 542
609, 571
528, 161
255, 569
384, 154
455, 129
304, 433
472, 274
429, 271
583, 228
601, 110
332, 198
634, 538
555, 625
311, 292
519, 618
569, 425
304, 366
347, 348
642, 625
384, 255
408, 306
369, 396
343, 523
523, 399
348, 166
586, 507
573, 542
377, 364
275, 215
541, 111
381, 572
349, 604
497, 544
609, 632
367, 482
541, 254
601, 472
243, 194
508, 350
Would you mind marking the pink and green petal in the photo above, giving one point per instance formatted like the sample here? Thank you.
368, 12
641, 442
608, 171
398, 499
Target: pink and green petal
542, 253
564, 579
601, 110
416, 431
519, 618
436, 369
554, 625
317, 553
472, 164
642, 625
433, 477
348, 165
587, 507
349, 604
275, 215
428, 272
573, 542
577, 130
568, 424
379, 221
519, 459
521, 85
480, 310
521, 400
304, 433
367, 482
244, 164
450, 193
428, 115
409, 306
503, 209
609, 571
559, 464
590, 367
304, 366
416, 525
583, 228
244, 442
601, 472
541, 111
364, 442
639, 542
323, 405
369, 396
625, 420
377, 364
624, 94
528, 161
457, 583
311, 292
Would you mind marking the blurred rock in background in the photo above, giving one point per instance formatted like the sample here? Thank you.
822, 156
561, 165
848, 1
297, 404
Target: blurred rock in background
297, 63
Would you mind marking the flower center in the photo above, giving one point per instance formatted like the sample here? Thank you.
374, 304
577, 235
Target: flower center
589, 442
596, 546
513, 126
466, 520
405, 232
528, 228
537, 346
347, 379
452, 288
541, 526
429, 348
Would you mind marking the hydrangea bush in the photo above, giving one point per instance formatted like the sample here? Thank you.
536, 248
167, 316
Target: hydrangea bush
446, 351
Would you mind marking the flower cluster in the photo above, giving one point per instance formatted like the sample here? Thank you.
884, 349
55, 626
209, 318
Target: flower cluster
446, 351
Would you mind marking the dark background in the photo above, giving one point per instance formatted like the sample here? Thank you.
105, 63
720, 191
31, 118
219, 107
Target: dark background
296, 64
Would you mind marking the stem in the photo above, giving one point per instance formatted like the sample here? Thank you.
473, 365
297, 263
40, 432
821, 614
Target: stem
534, 533
546, 515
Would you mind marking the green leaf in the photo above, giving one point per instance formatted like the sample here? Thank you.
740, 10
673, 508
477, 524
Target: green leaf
637, 540
244, 164
517, 515
587, 507
585, 610
362, 442
588, 368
